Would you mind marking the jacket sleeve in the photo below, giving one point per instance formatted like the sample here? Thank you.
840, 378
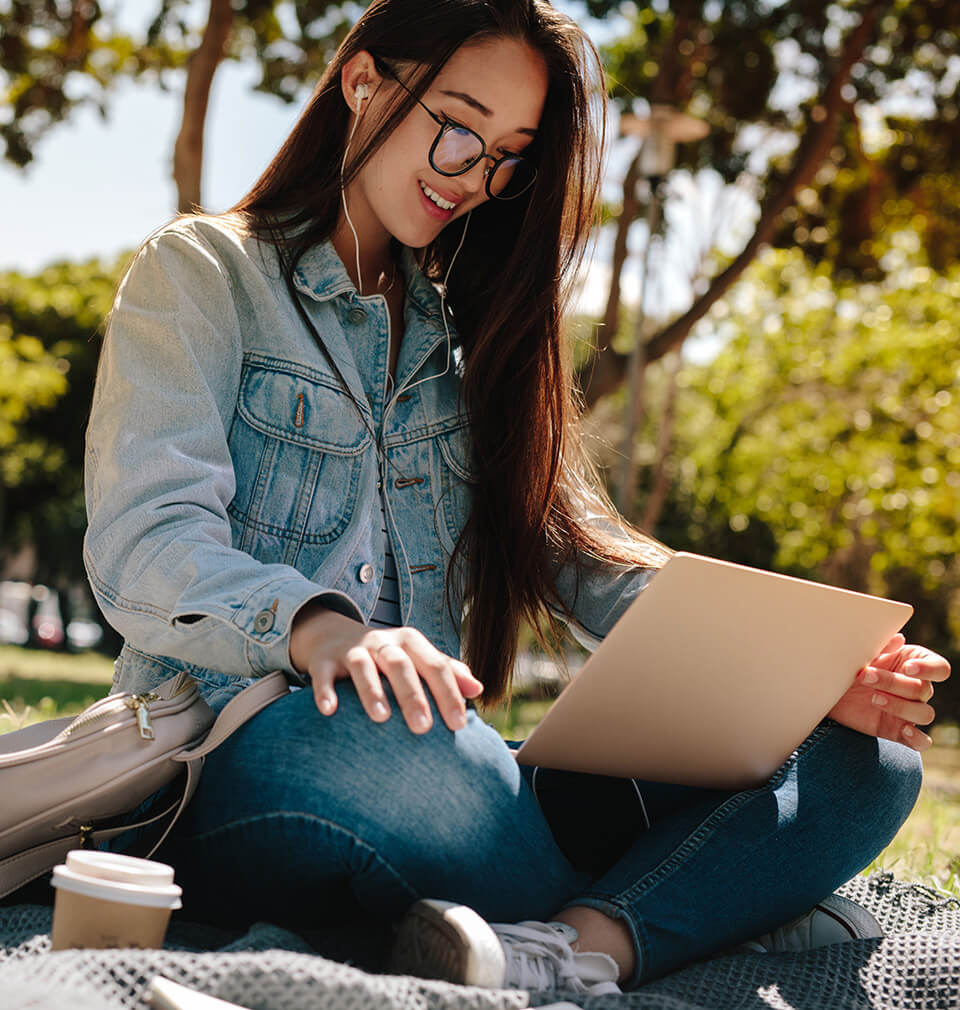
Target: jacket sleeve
592, 593
158, 474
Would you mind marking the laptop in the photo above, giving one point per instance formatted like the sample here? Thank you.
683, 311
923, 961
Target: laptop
713, 676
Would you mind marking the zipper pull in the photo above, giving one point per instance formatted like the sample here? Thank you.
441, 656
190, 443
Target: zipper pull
139, 705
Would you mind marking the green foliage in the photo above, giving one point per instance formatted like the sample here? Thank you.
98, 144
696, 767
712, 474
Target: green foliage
832, 416
46, 50
49, 347
824, 439
758, 74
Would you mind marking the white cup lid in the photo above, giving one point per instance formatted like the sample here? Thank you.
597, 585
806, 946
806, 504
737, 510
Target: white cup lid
115, 877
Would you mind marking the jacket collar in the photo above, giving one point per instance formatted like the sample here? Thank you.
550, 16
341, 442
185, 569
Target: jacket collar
322, 275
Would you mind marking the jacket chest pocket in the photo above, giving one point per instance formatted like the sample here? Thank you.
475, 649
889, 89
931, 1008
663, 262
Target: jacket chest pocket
297, 444
455, 481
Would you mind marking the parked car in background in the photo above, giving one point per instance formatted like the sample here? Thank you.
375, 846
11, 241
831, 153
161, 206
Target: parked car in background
82, 633
33, 615
13, 629
15, 612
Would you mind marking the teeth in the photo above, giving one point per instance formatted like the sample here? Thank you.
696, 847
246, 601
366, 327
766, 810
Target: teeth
437, 199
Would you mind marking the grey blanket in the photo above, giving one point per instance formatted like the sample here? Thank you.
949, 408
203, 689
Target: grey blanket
915, 967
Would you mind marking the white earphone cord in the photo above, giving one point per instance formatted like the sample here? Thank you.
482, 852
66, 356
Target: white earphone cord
361, 94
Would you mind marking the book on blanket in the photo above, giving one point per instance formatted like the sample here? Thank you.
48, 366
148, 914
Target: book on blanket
713, 676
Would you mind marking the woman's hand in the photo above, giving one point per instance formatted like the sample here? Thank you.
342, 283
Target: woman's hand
326, 646
891, 695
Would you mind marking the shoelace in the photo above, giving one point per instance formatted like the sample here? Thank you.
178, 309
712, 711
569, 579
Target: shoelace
539, 956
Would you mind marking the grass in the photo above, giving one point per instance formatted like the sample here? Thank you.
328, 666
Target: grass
37, 685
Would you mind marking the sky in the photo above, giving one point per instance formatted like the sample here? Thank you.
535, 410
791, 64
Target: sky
97, 188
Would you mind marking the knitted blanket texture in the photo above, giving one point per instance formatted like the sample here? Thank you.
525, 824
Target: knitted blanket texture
916, 966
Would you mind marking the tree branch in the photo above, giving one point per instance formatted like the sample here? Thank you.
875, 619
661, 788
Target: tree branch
672, 84
813, 148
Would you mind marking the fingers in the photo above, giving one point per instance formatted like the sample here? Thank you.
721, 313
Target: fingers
322, 674
410, 664
913, 688
469, 686
928, 665
438, 672
912, 660
913, 737
902, 697
363, 672
397, 666
915, 712
891, 648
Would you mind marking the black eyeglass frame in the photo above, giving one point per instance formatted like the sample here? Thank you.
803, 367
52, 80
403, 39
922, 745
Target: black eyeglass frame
447, 124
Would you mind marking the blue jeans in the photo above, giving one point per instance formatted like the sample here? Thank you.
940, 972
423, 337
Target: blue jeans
310, 812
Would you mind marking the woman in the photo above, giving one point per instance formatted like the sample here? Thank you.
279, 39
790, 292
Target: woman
337, 420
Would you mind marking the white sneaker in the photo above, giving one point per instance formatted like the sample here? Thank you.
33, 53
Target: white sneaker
440, 939
833, 920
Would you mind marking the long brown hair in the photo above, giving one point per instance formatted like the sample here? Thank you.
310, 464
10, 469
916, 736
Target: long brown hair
537, 502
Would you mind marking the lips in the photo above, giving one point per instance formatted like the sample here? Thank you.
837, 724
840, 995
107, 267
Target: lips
431, 208
439, 198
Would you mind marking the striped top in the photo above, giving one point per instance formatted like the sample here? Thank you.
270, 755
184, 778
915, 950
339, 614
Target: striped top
386, 614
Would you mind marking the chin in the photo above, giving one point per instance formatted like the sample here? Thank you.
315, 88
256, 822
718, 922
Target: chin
416, 237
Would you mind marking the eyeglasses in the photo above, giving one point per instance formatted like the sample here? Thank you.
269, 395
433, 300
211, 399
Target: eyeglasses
456, 149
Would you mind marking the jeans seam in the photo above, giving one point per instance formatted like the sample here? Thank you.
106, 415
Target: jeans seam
326, 822
696, 839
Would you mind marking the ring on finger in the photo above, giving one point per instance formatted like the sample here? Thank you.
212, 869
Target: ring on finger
386, 645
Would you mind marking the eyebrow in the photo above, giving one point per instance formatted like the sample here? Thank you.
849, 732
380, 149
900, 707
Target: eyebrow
481, 108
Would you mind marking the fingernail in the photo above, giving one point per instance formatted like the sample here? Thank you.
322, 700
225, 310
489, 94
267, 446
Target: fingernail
380, 710
908, 731
911, 668
870, 677
879, 699
326, 705
421, 720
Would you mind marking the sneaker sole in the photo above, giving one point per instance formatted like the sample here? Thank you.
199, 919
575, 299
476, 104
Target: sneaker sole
444, 940
853, 918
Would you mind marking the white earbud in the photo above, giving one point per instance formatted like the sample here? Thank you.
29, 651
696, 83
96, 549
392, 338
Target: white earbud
361, 94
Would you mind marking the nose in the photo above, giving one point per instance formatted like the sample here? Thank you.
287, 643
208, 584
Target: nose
474, 179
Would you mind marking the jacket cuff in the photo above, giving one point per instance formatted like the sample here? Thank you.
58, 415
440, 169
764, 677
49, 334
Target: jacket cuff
266, 617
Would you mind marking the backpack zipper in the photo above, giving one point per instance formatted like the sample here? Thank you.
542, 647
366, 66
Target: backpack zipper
138, 703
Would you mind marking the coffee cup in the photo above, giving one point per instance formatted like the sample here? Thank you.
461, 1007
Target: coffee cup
105, 900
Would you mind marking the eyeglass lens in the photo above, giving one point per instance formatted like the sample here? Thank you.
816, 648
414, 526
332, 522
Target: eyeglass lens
457, 149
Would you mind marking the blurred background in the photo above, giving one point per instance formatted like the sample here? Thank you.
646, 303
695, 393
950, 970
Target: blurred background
766, 333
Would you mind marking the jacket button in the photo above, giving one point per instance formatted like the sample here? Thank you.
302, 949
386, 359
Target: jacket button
356, 315
365, 573
263, 621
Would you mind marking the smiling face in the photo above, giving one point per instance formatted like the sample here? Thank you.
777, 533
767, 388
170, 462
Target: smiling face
497, 88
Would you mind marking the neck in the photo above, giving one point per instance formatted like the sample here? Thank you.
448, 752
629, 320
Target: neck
377, 265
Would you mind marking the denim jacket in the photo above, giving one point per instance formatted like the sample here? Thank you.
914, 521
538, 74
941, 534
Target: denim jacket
229, 479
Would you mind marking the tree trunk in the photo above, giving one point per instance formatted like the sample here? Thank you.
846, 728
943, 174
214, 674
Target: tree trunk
611, 314
817, 140
188, 150
672, 84
661, 482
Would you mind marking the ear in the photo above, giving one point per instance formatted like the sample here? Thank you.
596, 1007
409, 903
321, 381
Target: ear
359, 79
